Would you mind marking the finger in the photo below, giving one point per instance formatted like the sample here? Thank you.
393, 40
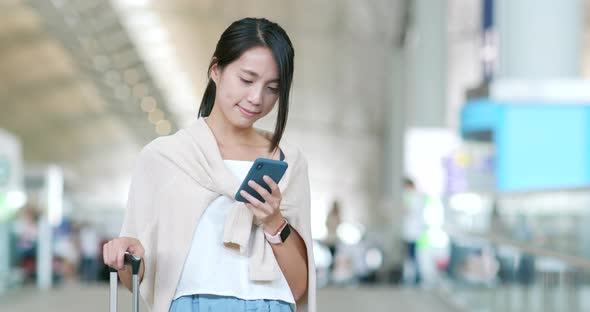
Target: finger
256, 211
251, 199
263, 211
111, 257
104, 254
120, 259
260, 209
261, 190
274, 187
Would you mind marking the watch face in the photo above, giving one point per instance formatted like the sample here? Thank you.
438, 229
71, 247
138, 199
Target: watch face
285, 232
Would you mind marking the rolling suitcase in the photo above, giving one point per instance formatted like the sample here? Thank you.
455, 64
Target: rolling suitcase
134, 262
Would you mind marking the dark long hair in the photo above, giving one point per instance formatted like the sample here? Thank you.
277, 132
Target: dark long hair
241, 36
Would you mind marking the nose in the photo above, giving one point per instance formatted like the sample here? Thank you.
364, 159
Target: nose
255, 95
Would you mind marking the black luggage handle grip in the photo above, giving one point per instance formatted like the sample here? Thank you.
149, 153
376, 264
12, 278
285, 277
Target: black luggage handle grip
131, 260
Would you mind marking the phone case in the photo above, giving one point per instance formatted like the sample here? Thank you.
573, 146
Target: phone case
275, 169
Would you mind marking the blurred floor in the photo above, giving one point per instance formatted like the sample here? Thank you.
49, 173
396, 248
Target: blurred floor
95, 299
537, 298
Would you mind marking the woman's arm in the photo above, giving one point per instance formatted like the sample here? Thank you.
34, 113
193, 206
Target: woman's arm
291, 256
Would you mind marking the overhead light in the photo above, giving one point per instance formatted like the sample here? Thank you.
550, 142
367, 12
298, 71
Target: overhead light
156, 116
157, 51
155, 35
132, 4
148, 104
153, 42
163, 127
140, 90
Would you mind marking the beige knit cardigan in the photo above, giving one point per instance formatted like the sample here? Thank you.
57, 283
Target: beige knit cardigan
175, 179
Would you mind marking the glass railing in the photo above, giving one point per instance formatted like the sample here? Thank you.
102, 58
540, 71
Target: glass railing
490, 272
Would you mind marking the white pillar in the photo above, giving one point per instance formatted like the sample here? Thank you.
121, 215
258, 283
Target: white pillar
418, 86
51, 217
5, 256
539, 39
12, 198
44, 252
426, 59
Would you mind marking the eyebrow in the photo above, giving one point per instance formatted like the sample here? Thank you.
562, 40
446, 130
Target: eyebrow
249, 72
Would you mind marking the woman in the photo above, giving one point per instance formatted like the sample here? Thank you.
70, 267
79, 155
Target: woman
201, 249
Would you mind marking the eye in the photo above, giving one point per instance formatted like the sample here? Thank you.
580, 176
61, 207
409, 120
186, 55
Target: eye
245, 81
273, 90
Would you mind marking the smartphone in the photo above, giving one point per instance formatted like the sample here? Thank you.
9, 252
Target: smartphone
275, 169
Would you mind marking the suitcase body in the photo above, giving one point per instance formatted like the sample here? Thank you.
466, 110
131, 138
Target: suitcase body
135, 263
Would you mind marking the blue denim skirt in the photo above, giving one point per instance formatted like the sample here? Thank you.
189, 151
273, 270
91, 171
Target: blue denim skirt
206, 303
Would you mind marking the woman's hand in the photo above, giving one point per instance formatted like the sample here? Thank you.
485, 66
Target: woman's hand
269, 212
113, 252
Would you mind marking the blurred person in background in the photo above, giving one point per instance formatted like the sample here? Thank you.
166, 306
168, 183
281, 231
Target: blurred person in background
89, 246
26, 232
505, 255
66, 252
201, 249
524, 233
413, 225
333, 220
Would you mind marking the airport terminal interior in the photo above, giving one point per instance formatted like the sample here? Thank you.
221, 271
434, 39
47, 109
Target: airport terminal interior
447, 143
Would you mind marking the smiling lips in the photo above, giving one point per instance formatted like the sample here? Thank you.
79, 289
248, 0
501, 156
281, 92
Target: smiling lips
247, 112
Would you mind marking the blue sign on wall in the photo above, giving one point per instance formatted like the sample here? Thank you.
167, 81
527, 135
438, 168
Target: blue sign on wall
538, 145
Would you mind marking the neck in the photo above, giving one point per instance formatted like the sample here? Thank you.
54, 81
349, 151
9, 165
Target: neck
226, 133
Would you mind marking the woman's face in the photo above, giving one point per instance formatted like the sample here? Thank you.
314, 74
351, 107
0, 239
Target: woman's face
248, 88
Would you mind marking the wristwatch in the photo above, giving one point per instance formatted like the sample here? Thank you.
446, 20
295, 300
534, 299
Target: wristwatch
281, 234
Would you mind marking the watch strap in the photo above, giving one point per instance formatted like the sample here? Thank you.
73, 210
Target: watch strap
281, 234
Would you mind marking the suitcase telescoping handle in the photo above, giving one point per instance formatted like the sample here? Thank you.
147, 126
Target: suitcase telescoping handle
135, 263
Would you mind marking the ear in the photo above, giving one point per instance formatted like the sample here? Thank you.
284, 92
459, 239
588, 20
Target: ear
215, 71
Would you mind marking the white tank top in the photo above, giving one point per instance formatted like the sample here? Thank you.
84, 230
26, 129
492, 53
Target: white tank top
210, 268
